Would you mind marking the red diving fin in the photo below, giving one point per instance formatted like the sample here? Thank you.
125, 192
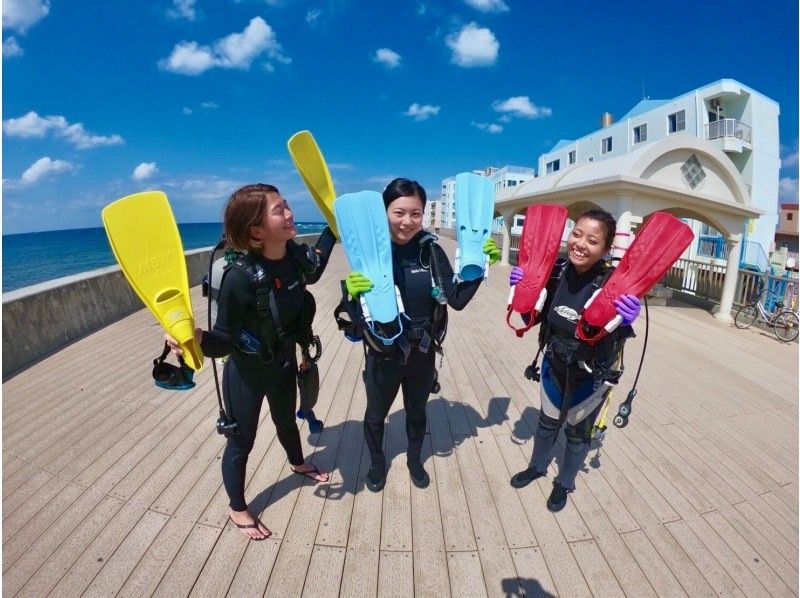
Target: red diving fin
659, 242
538, 250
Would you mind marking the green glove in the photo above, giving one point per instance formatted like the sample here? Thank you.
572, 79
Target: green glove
357, 284
491, 249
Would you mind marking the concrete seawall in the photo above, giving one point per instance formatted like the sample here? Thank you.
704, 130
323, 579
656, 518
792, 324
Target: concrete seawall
41, 319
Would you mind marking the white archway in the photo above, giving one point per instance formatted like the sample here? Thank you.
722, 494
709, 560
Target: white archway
634, 185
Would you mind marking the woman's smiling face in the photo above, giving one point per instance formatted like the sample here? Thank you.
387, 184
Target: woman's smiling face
587, 243
405, 218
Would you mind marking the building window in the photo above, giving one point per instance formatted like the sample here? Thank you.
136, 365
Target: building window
789, 216
553, 166
677, 121
692, 171
572, 157
511, 183
606, 145
640, 133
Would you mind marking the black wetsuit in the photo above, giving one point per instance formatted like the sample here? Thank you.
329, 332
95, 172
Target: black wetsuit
562, 377
386, 373
246, 377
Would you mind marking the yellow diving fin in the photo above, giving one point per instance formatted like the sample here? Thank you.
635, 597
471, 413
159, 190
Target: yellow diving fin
147, 245
314, 171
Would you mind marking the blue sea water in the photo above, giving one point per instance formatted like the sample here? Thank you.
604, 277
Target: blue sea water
31, 258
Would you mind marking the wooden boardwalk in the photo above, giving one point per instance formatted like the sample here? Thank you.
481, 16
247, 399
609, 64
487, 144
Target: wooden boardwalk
112, 486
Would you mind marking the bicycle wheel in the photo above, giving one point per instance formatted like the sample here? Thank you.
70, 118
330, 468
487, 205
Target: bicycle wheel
746, 315
786, 326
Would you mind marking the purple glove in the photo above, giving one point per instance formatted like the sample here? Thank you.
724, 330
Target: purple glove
516, 275
628, 306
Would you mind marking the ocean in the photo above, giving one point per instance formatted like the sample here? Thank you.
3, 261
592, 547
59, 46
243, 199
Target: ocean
31, 258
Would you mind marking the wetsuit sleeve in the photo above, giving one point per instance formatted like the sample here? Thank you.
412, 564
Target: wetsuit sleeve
458, 294
323, 249
230, 314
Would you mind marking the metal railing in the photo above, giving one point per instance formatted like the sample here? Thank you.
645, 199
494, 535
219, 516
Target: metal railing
728, 127
712, 246
705, 280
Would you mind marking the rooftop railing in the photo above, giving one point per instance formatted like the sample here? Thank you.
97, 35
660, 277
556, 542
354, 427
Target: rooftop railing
728, 127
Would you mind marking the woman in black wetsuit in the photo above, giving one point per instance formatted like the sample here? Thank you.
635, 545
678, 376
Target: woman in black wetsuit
569, 392
386, 371
260, 224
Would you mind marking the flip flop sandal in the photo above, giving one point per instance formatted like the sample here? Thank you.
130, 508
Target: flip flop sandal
314, 471
252, 526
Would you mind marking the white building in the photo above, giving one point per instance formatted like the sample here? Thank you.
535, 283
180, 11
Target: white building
732, 117
510, 176
448, 203
710, 155
432, 217
507, 177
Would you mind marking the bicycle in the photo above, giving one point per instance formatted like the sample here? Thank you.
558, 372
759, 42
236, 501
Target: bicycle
784, 322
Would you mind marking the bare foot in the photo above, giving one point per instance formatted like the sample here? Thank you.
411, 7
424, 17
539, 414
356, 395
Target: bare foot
249, 525
311, 471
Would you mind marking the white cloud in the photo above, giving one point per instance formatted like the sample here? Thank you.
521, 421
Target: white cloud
188, 58
492, 128
787, 190
313, 15
522, 107
209, 105
789, 159
11, 47
488, 5
20, 15
183, 9
186, 110
388, 58
44, 167
33, 125
81, 139
234, 51
144, 171
473, 46
421, 112
208, 190
238, 50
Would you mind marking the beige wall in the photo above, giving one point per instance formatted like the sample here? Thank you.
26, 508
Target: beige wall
787, 226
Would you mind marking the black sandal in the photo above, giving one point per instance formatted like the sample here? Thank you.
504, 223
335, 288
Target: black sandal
314, 471
253, 526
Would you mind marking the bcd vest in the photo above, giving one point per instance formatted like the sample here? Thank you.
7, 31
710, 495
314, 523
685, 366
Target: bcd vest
271, 339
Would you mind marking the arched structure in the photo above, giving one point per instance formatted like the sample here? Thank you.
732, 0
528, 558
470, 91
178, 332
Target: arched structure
683, 175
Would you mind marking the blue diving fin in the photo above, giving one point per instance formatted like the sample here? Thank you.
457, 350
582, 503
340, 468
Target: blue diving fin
364, 232
474, 212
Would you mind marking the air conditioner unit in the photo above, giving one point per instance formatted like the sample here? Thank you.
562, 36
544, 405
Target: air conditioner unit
715, 103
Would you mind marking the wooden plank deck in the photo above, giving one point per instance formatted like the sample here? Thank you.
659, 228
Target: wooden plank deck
112, 486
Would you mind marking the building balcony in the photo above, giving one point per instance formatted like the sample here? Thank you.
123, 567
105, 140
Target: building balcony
730, 134
712, 246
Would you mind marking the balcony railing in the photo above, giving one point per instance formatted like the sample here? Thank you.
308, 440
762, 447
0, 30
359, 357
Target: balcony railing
728, 127
712, 246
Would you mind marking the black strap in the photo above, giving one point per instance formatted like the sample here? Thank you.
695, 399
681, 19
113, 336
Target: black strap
566, 399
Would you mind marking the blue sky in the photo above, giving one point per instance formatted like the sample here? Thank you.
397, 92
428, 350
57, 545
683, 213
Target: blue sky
197, 97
